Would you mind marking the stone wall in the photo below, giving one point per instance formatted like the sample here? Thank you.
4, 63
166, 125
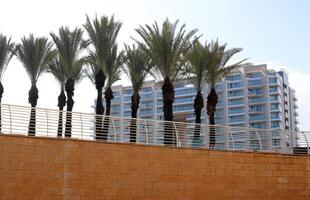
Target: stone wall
44, 168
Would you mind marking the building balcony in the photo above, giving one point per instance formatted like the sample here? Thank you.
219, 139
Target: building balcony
256, 100
236, 112
275, 91
236, 122
276, 118
235, 104
256, 83
257, 119
234, 86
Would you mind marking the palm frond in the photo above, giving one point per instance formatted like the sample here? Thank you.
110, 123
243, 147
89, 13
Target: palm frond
58, 70
102, 34
219, 57
6, 53
70, 45
35, 54
166, 47
138, 65
198, 58
114, 65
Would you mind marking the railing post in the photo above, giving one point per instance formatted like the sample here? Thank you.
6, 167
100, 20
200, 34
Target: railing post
227, 138
232, 139
82, 133
176, 134
207, 132
10, 119
259, 140
46, 121
306, 139
114, 129
146, 133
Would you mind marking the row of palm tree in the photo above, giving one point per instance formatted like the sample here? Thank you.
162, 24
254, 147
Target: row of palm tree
168, 52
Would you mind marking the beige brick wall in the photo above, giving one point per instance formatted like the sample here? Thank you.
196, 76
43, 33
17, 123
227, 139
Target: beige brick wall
41, 168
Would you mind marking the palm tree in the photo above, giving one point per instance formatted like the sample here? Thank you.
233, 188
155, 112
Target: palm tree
166, 48
199, 58
6, 53
59, 72
102, 35
70, 45
113, 70
138, 67
217, 69
35, 54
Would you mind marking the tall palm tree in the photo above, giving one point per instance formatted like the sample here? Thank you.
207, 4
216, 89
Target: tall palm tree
199, 58
102, 36
70, 45
59, 72
113, 70
6, 53
35, 54
217, 69
138, 67
166, 48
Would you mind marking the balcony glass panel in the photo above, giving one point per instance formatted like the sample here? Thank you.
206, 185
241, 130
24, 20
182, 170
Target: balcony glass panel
182, 91
146, 111
184, 100
255, 91
255, 82
256, 100
146, 89
183, 107
127, 92
235, 102
235, 119
235, 93
127, 98
274, 116
234, 85
257, 117
256, 108
260, 125
254, 75
274, 98
235, 111
275, 125
235, 77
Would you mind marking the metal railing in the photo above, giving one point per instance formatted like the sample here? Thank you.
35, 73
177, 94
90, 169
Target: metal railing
15, 120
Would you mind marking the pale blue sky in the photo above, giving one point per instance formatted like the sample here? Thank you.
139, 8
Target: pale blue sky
276, 32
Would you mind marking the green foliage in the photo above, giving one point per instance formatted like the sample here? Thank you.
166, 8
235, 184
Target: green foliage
198, 58
35, 54
219, 57
138, 66
6, 53
114, 65
102, 34
70, 45
166, 47
58, 70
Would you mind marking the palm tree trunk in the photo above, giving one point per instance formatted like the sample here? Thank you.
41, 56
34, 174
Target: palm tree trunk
168, 99
99, 82
211, 108
108, 95
61, 105
135, 100
1, 93
69, 87
33, 96
198, 106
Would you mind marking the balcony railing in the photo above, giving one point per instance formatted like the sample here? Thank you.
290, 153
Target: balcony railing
15, 120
